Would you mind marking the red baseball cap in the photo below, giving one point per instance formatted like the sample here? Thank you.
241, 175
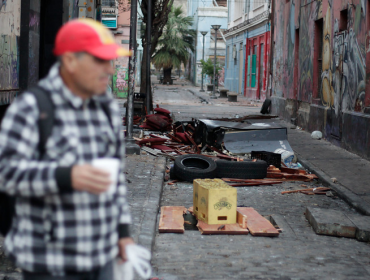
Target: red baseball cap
87, 35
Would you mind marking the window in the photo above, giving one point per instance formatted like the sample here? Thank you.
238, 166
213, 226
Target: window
227, 57
247, 6
235, 55
108, 3
343, 21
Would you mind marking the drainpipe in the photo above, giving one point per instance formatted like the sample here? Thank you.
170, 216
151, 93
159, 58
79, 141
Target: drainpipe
272, 30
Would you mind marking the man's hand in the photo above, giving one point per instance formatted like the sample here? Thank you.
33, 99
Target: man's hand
87, 178
122, 243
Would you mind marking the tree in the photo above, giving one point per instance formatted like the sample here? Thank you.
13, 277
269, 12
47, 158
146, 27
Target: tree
160, 11
175, 43
207, 67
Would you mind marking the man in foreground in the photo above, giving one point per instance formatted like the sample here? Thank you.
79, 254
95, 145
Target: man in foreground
67, 224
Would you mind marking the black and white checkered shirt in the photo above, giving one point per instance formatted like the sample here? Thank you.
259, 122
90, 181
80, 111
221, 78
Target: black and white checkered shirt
56, 229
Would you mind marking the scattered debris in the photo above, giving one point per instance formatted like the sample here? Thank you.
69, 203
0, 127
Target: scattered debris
309, 191
316, 135
289, 174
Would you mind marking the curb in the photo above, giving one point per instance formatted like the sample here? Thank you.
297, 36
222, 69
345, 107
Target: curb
200, 97
348, 196
146, 237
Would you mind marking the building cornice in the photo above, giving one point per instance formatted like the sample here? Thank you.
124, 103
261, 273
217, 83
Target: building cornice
247, 24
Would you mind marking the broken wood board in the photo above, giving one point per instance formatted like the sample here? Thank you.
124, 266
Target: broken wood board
317, 190
205, 228
257, 224
172, 219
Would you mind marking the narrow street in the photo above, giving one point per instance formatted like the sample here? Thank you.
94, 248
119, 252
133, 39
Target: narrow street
298, 253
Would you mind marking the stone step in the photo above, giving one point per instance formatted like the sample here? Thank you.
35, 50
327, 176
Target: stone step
337, 223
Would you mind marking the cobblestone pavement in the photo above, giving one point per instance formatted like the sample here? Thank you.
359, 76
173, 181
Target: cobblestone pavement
298, 253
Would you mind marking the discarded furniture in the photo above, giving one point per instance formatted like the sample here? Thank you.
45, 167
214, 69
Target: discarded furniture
223, 93
171, 82
232, 96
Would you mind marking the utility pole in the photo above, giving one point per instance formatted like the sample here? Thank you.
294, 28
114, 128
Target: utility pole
213, 96
148, 47
130, 145
203, 34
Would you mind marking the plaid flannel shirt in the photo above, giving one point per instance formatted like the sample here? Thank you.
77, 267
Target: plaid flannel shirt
56, 229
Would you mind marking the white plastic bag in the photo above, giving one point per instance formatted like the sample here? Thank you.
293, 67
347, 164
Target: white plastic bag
316, 135
138, 259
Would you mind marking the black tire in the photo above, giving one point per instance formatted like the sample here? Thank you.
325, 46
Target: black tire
266, 106
172, 173
241, 169
190, 167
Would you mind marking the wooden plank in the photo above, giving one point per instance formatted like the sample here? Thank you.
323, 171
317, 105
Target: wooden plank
241, 219
254, 184
205, 228
172, 219
257, 225
320, 189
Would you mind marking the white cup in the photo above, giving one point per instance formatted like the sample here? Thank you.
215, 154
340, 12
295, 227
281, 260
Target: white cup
110, 165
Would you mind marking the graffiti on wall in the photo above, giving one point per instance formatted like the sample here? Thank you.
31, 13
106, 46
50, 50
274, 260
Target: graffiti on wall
121, 77
9, 62
9, 44
120, 82
344, 73
354, 69
327, 90
34, 46
305, 55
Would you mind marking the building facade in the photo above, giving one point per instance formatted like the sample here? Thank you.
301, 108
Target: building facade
248, 48
205, 14
321, 69
27, 33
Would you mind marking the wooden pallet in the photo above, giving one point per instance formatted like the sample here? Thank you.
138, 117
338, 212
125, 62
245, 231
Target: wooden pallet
205, 228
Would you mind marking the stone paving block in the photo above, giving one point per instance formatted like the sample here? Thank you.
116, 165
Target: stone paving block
330, 222
363, 227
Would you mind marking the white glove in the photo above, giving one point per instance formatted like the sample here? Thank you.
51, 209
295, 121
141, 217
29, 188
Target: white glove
138, 258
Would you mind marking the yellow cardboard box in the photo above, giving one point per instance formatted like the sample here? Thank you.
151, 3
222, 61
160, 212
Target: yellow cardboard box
214, 201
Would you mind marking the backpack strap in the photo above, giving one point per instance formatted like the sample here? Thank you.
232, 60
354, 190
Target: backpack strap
105, 107
46, 117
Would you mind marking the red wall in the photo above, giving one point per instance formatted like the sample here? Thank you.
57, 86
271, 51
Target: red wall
257, 92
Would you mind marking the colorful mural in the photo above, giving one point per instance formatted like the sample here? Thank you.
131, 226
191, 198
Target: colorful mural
284, 53
333, 67
344, 75
120, 77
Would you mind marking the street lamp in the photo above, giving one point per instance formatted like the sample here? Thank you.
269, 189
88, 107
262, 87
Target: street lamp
204, 35
213, 96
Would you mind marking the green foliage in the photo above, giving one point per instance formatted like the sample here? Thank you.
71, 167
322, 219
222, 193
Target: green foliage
207, 67
176, 42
